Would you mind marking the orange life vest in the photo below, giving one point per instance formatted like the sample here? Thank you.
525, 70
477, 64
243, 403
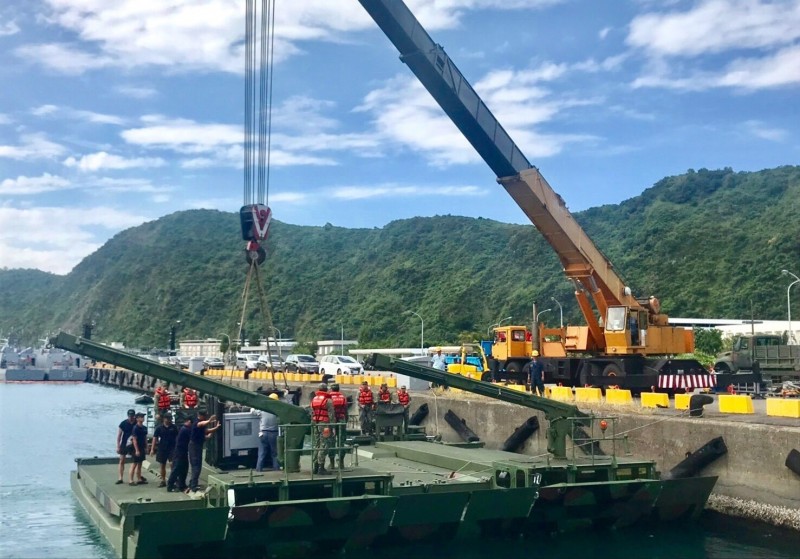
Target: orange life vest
365, 397
404, 398
319, 407
384, 396
164, 401
339, 405
190, 398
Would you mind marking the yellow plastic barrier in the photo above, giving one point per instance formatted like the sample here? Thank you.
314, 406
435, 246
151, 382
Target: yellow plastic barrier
655, 400
781, 407
391, 382
588, 395
735, 403
618, 397
375, 381
517, 387
682, 401
562, 393
341, 379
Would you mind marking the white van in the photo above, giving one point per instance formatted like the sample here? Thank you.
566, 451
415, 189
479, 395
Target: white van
247, 361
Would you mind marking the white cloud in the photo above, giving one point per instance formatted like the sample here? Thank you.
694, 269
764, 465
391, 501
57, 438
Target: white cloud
713, 26
8, 28
77, 114
760, 130
108, 184
103, 160
398, 191
603, 33
288, 197
182, 135
777, 70
57, 248
32, 146
62, 58
23, 185
5, 119
404, 113
136, 92
184, 35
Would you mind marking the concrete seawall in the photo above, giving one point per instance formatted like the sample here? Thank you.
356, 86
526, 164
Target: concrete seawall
753, 479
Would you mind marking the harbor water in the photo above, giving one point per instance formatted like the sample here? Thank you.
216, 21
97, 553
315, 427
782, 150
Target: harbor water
43, 427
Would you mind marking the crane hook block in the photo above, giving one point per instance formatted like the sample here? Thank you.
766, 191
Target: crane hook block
255, 220
255, 253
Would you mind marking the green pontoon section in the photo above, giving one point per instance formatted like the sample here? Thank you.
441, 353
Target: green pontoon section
683, 498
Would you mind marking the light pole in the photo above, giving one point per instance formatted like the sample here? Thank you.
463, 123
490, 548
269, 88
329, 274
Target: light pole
789, 301
489, 330
421, 332
560, 312
341, 345
541, 313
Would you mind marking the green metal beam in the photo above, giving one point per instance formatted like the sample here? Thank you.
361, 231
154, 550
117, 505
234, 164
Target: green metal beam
286, 413
560, 415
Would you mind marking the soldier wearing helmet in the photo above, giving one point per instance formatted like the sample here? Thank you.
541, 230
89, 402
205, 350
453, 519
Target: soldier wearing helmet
322, 415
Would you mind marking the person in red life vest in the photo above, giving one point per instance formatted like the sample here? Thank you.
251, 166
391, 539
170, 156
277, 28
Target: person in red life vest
162, 400
322, 414
404, 398
189, 398
384, 396
366, 403
340, 410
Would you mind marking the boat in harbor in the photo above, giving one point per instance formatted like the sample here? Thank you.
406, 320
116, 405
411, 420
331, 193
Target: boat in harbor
391, 489
44, 364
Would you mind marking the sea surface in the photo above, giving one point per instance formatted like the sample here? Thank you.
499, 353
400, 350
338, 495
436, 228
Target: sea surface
43, 427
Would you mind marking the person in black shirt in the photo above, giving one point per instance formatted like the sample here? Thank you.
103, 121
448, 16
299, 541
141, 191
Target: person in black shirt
139, 438
180, 458
165, 435
123, 433
200, 433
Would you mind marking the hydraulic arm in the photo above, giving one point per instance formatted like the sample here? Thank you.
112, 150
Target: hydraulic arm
294, 418
592, 273
561, 416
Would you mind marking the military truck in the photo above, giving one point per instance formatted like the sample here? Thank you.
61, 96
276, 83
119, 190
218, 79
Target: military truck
778, 362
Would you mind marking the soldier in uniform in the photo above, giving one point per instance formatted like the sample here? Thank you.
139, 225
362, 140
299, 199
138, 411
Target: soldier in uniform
366, 403
340, 409
322, 414
404, 398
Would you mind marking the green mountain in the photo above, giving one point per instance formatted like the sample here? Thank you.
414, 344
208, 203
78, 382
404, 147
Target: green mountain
707, 243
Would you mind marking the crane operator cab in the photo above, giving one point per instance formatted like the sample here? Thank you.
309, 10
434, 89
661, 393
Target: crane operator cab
625, 328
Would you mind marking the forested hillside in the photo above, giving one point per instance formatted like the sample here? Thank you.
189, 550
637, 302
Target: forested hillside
707, 243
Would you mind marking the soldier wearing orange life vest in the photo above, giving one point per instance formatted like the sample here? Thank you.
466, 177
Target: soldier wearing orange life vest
366, 403
404, 398
384, 395
189, 398
162, 400
340, 410
322, 414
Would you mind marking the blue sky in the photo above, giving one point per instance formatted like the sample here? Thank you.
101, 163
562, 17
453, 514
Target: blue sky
116, 113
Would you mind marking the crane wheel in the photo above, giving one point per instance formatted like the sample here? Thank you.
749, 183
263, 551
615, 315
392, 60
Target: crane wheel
612, 370
258, 256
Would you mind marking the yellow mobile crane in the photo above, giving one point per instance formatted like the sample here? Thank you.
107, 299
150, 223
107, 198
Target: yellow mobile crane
626, 340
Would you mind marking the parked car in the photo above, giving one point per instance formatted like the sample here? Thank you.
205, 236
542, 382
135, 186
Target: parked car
271, 361
340, 365
247, 361
302, 363
213, 363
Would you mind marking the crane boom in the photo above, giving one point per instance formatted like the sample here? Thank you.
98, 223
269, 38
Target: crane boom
590, 270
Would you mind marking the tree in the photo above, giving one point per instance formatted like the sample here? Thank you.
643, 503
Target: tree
708, 340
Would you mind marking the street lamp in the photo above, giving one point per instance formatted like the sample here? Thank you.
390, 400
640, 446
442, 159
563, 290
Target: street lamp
541, 313
789, 301
341, 346
489, 330
421, 332
560, 312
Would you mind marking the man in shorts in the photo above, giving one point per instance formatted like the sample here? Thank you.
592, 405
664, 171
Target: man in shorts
123, 434
164, 438
139, 438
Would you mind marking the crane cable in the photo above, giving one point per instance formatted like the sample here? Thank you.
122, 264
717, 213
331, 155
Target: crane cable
258, 100
258, 94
